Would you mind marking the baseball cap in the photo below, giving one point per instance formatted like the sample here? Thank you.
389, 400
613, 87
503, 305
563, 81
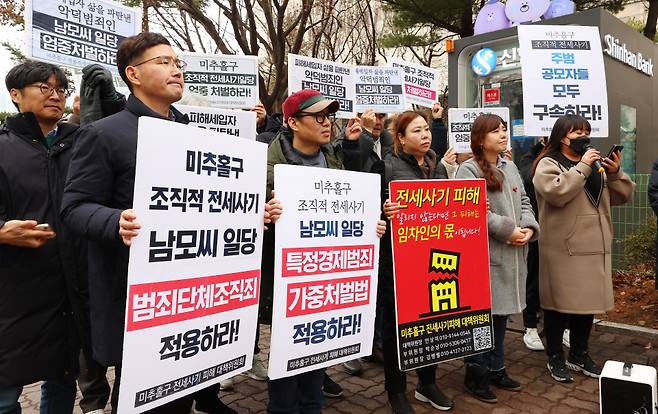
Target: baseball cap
307, 100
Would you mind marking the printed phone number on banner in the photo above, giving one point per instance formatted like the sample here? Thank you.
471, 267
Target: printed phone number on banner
432, 328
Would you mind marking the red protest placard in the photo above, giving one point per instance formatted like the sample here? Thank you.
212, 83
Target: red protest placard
441, 270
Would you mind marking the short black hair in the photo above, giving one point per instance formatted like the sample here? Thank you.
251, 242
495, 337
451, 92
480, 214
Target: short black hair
31, 71
133, 47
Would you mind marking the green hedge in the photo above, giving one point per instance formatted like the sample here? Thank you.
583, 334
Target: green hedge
640, 245
4, 115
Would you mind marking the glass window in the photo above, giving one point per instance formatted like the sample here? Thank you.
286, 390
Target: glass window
628, 137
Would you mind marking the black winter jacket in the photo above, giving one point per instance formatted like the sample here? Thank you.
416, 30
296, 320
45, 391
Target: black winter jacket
43, 292
402, 167
269, 130
99, 187
439, 138
360, 155
526, 172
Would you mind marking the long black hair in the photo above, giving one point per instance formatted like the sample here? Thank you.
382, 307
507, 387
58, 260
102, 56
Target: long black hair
562, 127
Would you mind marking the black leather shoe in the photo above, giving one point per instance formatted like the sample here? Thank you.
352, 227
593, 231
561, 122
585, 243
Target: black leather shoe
430, 393
501, 380
399, 403
476, 382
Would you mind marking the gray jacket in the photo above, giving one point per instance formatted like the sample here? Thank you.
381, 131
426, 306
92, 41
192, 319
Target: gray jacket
509, 208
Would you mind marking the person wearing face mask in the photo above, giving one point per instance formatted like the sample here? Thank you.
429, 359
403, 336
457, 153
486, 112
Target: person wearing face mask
575, 271
511, 226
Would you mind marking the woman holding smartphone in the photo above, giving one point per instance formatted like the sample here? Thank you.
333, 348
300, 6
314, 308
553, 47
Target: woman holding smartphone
575, 271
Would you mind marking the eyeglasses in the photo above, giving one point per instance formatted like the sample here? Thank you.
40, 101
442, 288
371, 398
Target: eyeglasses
165, 60
47, 90
319, 116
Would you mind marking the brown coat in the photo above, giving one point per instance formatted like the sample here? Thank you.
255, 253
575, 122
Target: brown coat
575, 267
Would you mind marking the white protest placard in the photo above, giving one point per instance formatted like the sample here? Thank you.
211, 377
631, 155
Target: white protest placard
326, 261
331, 79
240, 124
460, 121
563, 73
194, 269
420, 82
379, 88
224, 81
78, 33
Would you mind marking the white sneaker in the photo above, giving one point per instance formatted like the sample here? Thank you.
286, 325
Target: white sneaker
99, 411
565, 339
258, 370
227, 384
532, 340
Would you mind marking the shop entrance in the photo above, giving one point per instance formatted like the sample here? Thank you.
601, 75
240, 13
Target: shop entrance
508, 92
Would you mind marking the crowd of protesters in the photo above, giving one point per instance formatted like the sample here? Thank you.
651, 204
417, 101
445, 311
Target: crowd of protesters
66, 225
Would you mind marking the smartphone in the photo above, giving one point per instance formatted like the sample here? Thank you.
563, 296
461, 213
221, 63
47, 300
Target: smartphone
44, 226
615, 148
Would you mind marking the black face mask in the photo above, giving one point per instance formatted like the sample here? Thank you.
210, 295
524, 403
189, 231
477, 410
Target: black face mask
580, 145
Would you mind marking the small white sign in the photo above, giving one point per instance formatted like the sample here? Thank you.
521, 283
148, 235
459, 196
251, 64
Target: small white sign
380, 89
241, 124
223, 81
331, 79
563, 74
78, 33
460, 122
420, 82
325, 275
194, 270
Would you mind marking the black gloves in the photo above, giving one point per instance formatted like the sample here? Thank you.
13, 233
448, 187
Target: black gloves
98, 98
95, 76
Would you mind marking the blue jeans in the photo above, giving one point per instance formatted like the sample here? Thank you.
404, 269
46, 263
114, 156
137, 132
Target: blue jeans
299, 394
494, 360
57, 397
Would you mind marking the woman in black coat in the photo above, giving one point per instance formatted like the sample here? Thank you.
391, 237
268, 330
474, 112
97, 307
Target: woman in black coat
412, 159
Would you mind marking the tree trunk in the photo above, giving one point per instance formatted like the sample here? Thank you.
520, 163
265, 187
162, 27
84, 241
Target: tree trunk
467, 19
652, 18
145, 15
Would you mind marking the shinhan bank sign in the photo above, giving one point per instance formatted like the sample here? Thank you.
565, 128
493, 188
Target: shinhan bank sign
619, 51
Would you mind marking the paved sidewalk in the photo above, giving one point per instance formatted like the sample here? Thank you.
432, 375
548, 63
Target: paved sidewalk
365, 394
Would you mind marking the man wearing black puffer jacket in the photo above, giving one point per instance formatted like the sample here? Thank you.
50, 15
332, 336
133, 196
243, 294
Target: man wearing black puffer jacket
43, 270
